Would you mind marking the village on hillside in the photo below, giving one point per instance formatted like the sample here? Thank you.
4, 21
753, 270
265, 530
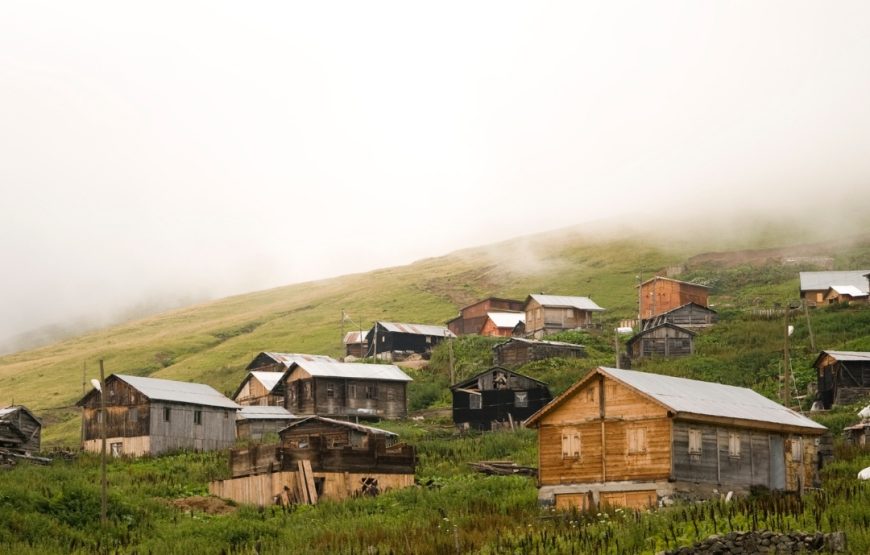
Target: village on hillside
300, 428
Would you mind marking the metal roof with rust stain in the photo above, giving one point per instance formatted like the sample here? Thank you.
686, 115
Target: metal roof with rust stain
581, 303
354, 337
416, 329
158, 389
821, 281
506, 319
353, 370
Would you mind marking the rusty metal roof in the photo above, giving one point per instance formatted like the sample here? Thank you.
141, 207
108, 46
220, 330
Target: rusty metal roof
417, 329
821, 281
178, 392
354, 370
355, 337
581, 303
506, 319
259, 412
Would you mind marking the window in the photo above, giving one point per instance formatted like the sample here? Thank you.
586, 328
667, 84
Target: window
695, 442
330, 391
197, 416
734, 445
167, 414
797, 451
117, 448
371, 392
306, 389
521, 398
351, 391
474, 401
570, 444
636, 441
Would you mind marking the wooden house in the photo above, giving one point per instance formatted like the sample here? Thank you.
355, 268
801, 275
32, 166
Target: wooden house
19, 429
473, 318
844, 294
814, 285
691, 316
394, 339
497, 398
661, 294
256, 422
260, 388
517, 351
149, 416
843, 377
621, 437
663, 340
280, 362
502, 324
344, 389
318, 458
546, 314
355, 344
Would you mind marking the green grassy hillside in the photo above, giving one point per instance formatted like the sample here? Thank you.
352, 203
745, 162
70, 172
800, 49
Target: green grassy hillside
213, 342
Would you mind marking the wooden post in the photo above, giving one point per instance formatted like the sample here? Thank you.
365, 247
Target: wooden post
103, 422
450, 361
786, 377
809, 326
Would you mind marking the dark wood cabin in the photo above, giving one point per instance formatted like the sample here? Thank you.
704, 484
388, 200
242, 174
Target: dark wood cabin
20, 429
844, 294
355, 344
843, 377
256, 422
690, 316
260, 388
857, 434
546, 314
517, 351
280, 362
397, 339
664, 340
473, 318
814, 285
661, 294
149, 416
497, 398
344, 389
627, 438
318, 458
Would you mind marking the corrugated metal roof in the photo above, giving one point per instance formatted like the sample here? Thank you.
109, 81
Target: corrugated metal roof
268, 379
711, 399
7, 411
820, 281
351, 425
581, 303
540, 342
417, 329
258, 412
354, 337
178, 392
506, 319
850, 290
849, 355
289, 358
355, 370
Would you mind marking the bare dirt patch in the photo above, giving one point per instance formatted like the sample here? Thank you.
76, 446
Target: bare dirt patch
208, 505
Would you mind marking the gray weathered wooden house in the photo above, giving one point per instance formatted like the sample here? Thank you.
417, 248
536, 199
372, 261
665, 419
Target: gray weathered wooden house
517, 351
546, 314
843, 377
269, 361
663, 340
621, 437
343, 389
19, 429
691, 316
149, 416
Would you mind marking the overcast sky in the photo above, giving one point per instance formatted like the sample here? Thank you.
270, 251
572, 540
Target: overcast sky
195, 149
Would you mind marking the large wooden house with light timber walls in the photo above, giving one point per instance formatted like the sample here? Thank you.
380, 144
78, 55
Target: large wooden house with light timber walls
627, 438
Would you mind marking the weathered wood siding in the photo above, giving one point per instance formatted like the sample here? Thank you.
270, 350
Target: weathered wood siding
842, 382
257, 429
604, 414
514, 354
255, 393
543, 320
663, 341
29, 426
346, 397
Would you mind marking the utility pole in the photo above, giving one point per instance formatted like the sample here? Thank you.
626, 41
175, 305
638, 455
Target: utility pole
809, 326
786, 377
103, 481
616, 345
450, 360
342, 330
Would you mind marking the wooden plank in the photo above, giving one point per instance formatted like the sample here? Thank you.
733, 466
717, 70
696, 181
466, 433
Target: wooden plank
308, 476
303, 484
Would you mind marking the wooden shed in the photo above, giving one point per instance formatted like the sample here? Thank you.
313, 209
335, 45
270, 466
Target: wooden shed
395, 339
497, 398
844, 294
621, 437
149, 416
843, 377
344, 389
256, 422
279, 362
19, 429
318, 459
355, 344
473, 318
260, 388
814, 285
664, 340
546, 314
662, 294
691, 316
517, 351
